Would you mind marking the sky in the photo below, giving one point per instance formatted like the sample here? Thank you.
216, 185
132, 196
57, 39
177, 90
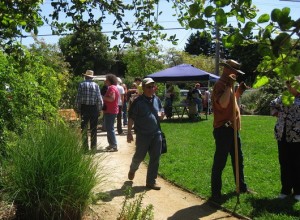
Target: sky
168, 21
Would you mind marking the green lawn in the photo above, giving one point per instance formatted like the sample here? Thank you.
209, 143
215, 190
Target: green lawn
189, 160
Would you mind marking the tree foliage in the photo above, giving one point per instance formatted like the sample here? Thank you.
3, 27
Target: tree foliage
87, 50
199, 43
275, 35
16, 16
141, 61
30, 90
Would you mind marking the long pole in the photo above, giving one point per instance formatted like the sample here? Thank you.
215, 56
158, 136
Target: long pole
237, 173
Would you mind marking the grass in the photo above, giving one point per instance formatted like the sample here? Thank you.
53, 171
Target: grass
189, 160
48, 176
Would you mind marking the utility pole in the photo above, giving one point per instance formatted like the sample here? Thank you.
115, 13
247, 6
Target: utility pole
217, 58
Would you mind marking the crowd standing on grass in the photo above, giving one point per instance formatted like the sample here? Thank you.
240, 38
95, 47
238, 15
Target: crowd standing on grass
110, 111
89, 105
287, 134
145, 112
226, 113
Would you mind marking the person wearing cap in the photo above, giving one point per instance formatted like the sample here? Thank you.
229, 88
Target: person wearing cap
89, 104
120, 104
287, 134
111, 98
223, 101
145, 112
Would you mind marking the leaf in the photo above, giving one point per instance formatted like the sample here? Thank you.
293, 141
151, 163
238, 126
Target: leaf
275, 14
194, 9
226, 42
222, 3
286, 11
263, 18
260, 81
287, 98
208, 11
198, 23
221, 18
264, 50
248, 28
241, 18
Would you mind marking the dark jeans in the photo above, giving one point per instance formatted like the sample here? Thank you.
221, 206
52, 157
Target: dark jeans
89, 114
119, 120
288, 155
224, 139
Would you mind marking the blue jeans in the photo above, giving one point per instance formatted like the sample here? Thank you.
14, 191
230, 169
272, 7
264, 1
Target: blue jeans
109, 121
199, 105
224, 139
152, 145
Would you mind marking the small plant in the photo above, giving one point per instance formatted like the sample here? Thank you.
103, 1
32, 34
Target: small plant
133, 210
48, 176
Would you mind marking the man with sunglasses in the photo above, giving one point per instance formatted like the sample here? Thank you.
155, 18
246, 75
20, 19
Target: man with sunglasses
145, 113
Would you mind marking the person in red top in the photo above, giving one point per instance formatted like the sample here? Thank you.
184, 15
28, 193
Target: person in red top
111, 111
224, 103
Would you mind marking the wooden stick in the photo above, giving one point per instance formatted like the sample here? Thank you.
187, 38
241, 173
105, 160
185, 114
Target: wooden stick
237, 173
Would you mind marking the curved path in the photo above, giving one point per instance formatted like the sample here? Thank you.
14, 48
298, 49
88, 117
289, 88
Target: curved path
170, 203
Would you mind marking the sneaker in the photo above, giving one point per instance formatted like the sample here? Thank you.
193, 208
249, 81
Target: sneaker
113, 149
131, 175
215, 199
281, 196
297, 197
153, 186
108, 148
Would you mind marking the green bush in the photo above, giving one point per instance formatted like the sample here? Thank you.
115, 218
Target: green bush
133, 210
48, 176
258, 101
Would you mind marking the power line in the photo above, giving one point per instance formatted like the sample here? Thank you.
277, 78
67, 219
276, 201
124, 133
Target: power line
104, 32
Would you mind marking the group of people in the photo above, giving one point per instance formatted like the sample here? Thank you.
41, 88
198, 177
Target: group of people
90, 103
196, 101
146, 111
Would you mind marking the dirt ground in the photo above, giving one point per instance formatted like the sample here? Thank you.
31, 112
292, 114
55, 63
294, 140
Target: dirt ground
170, 202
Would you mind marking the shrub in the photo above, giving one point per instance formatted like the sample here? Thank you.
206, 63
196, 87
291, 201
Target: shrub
47, 174
258, 101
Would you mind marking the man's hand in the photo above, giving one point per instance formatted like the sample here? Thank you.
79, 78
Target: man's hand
232, 79
243, 87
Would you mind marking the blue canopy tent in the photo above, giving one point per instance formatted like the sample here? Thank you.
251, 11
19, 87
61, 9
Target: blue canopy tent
186, 73
183, 72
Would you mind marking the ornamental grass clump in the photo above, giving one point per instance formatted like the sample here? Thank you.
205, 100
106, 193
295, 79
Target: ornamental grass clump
48, 176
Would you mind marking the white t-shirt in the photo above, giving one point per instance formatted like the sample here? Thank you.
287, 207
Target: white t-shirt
122, 92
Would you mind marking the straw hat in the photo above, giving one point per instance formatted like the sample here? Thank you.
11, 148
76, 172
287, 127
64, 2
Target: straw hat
233, 65
89, 73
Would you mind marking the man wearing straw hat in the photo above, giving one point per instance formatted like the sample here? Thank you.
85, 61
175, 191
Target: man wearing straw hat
226, 125
89, 103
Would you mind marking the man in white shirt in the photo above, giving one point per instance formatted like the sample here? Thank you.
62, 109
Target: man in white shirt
120, 104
